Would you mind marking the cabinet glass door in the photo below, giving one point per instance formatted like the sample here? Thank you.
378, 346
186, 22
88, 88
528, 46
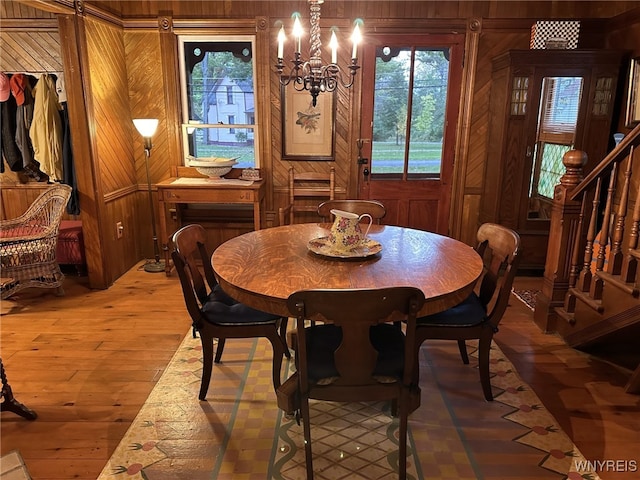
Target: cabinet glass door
556, 130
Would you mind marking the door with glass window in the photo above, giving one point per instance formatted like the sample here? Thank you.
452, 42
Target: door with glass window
410, 108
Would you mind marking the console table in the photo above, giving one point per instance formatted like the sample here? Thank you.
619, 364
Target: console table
185, 190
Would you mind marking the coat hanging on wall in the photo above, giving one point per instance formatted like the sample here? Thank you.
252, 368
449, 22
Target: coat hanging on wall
9, 147
21, 91
68, 167
46, 128
52, 130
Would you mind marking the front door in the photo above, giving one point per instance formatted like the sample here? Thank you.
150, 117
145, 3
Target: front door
410, 107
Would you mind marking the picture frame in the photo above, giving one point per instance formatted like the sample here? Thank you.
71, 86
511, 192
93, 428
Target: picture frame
308, 132
633, 95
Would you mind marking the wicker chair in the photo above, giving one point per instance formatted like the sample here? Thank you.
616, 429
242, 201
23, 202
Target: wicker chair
28, 244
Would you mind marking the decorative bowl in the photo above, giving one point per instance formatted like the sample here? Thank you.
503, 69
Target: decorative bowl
213, 168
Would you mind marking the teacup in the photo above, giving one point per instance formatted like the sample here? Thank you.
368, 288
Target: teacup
346, 233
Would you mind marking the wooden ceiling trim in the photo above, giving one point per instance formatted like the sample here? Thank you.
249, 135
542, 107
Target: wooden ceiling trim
59, 6
29, 25
224, 24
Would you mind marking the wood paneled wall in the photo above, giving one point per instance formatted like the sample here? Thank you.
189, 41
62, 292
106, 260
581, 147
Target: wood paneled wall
126, 68
114, 162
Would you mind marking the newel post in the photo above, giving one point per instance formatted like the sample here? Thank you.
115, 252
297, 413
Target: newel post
565, 222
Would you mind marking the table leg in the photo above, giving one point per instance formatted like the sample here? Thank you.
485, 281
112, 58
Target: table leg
9, 403
257, 215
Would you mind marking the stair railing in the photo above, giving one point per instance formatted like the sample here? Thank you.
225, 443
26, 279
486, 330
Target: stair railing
592, 244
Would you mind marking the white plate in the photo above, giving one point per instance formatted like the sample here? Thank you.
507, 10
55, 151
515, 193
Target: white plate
321, 246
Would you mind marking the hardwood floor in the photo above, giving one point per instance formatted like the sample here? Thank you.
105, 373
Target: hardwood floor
585, 394
87, 361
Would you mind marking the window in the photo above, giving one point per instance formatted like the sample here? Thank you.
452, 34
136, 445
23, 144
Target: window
218, 84
557, 122
411, 85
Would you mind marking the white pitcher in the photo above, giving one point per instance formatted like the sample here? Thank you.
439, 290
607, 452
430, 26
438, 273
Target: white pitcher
346, 233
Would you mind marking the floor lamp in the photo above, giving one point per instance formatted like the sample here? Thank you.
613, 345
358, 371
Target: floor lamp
147, 127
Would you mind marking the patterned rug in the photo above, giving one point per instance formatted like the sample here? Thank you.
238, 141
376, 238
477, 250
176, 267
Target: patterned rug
12, 467
239, 433
528, 297
347, 440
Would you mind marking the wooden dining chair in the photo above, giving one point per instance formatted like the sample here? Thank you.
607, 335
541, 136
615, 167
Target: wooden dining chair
215, 314
306, 191
374, 208
355, 356
478, 316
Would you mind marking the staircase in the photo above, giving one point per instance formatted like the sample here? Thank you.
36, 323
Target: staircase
591, 288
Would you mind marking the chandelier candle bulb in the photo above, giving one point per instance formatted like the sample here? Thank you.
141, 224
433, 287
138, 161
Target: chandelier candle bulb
281, 37
333, 43
355, 38
297, 33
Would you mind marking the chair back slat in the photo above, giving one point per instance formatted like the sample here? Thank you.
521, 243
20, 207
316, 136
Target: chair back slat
374, 208
500, 249
191, 298
189, 241
354, 312
306, 191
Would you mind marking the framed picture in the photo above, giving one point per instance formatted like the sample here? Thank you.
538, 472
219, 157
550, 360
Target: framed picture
633, 96
307, 131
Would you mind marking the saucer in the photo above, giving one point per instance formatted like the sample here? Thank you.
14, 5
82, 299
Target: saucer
321, 246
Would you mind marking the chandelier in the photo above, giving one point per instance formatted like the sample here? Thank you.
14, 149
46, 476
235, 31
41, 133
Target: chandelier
312, 75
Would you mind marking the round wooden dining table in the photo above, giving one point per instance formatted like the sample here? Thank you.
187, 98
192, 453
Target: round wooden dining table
262, 268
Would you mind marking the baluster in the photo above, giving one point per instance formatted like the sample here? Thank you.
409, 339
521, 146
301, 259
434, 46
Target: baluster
586, 274
596, 286
570, 300
630, 265
615, 257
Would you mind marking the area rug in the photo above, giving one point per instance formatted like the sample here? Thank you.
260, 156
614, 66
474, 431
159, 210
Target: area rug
12, 467
527, 296
239, 433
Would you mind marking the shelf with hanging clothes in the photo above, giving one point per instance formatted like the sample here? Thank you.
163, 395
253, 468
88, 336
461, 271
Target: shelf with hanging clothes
42, 152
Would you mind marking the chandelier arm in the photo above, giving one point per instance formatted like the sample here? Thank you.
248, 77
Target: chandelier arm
294, 73
332, 74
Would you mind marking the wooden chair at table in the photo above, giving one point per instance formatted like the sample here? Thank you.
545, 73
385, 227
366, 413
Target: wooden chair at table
214, 313
374, 208
306, 190
356, 356
478, 316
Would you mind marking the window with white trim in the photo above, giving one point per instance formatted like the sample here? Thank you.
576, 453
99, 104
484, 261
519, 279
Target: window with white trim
217, 76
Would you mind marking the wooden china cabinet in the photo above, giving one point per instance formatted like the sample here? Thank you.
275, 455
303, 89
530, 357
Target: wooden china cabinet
543, 103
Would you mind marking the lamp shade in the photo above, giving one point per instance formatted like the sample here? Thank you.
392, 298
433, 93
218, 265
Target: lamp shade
146, 126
